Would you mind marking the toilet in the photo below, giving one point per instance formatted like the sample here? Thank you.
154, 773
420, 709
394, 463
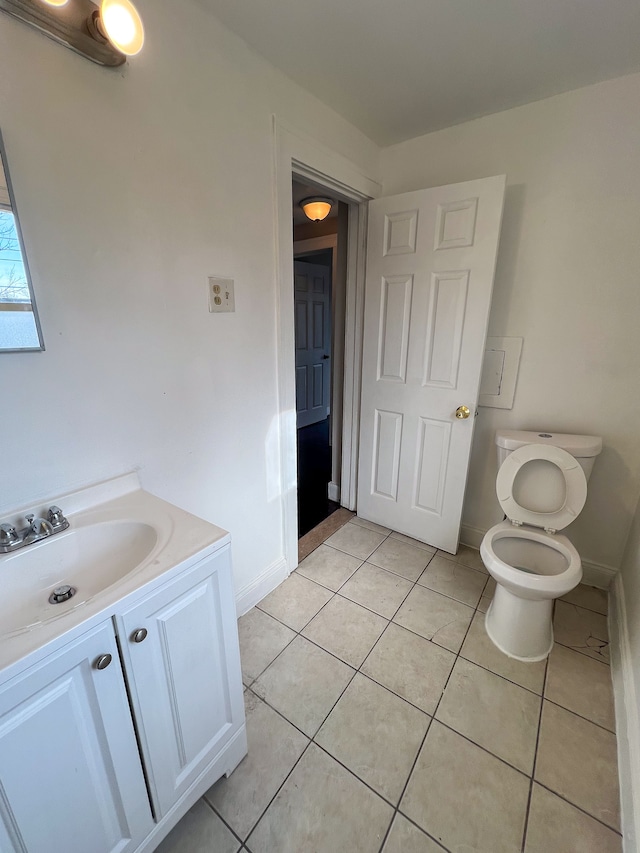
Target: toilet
542, 487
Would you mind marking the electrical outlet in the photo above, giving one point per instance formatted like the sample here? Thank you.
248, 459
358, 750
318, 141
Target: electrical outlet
222, 298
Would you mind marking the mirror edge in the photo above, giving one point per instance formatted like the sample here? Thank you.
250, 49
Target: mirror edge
36, 316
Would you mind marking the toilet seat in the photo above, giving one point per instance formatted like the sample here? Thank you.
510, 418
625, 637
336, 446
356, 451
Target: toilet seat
526, 580
574, 480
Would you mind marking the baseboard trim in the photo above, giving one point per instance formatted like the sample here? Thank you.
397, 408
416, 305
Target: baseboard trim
627, 696
333, 492
262, 585
471, 536
593, 574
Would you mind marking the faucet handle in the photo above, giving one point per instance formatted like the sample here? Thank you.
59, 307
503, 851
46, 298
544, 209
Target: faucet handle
56, 516
8, 534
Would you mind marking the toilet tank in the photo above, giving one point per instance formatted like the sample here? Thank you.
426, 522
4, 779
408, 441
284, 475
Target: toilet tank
585, 448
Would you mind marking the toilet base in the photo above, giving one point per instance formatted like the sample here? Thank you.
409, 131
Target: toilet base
520, 627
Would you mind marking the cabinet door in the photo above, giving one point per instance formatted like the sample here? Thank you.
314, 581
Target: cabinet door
70, 772
184, 676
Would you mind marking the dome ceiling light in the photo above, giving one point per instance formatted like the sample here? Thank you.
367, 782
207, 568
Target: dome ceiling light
316, 208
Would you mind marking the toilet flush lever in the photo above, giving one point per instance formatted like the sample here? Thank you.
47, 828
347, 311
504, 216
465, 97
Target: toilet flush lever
462, 412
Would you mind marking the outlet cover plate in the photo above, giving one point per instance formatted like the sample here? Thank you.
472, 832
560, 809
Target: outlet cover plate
222, 298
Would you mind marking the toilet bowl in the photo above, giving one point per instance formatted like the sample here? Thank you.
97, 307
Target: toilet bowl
531, 569
542, 488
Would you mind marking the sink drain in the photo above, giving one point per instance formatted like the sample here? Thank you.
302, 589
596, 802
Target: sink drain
62, 593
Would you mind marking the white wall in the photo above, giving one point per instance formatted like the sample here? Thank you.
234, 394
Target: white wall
568, 282
132, 186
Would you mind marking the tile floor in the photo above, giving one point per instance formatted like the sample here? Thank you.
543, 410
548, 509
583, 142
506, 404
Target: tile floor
381, 718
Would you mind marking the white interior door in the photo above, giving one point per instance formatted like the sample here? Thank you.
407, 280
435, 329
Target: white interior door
431, 259
312, 284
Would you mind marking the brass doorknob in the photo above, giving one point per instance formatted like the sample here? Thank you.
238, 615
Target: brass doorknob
462, 412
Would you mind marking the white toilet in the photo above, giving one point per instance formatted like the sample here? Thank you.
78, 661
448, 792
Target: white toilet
542, 487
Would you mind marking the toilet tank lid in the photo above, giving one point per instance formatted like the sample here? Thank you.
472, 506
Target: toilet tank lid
579, 446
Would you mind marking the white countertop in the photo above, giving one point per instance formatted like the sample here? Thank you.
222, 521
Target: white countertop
182, 540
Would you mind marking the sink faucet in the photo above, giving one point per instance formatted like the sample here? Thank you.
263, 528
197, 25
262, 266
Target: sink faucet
39, 528
36, 529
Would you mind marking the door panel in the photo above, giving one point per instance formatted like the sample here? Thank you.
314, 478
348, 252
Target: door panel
430, 265
395, 313
432, 463
313, 342
387, 454
447, 306
70, 772
190, 650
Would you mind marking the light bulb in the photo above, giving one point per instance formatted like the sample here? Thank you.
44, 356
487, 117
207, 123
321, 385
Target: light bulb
56, 2
122, 25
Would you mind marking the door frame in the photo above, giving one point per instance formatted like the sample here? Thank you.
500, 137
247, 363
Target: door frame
297, 155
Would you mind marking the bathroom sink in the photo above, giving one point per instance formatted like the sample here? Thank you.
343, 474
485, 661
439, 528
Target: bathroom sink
90, 558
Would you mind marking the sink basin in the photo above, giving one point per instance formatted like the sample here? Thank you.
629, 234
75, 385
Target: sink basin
90, 557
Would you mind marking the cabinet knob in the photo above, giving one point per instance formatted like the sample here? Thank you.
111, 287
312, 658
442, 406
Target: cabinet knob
139, 635
103, 661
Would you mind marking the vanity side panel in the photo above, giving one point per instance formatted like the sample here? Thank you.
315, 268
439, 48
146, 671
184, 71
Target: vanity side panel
184, 677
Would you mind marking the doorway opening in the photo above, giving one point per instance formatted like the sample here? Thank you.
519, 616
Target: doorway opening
319, 250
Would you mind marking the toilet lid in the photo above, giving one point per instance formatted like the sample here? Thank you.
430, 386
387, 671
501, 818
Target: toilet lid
556, 518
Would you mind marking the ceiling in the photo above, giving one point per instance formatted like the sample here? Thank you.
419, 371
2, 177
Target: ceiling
400, 68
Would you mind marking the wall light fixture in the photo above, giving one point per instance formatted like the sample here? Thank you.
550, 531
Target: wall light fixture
106, 33
316, 208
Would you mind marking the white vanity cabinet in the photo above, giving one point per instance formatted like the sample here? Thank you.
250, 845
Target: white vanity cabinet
70, 775
107, 741
181, 657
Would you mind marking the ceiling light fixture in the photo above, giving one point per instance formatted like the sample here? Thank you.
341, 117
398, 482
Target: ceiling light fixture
316, 208
105, 31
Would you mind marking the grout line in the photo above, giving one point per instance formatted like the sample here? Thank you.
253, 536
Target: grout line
389, 622
284, 781
503, 677
450, 597
581, 716
483, 748
357, 556
582, 607
431, 717
229, 827
312, 739
525, 828
579, 808
421, 747
601, 661
380, 527
417, 826
413, 584
402, 698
